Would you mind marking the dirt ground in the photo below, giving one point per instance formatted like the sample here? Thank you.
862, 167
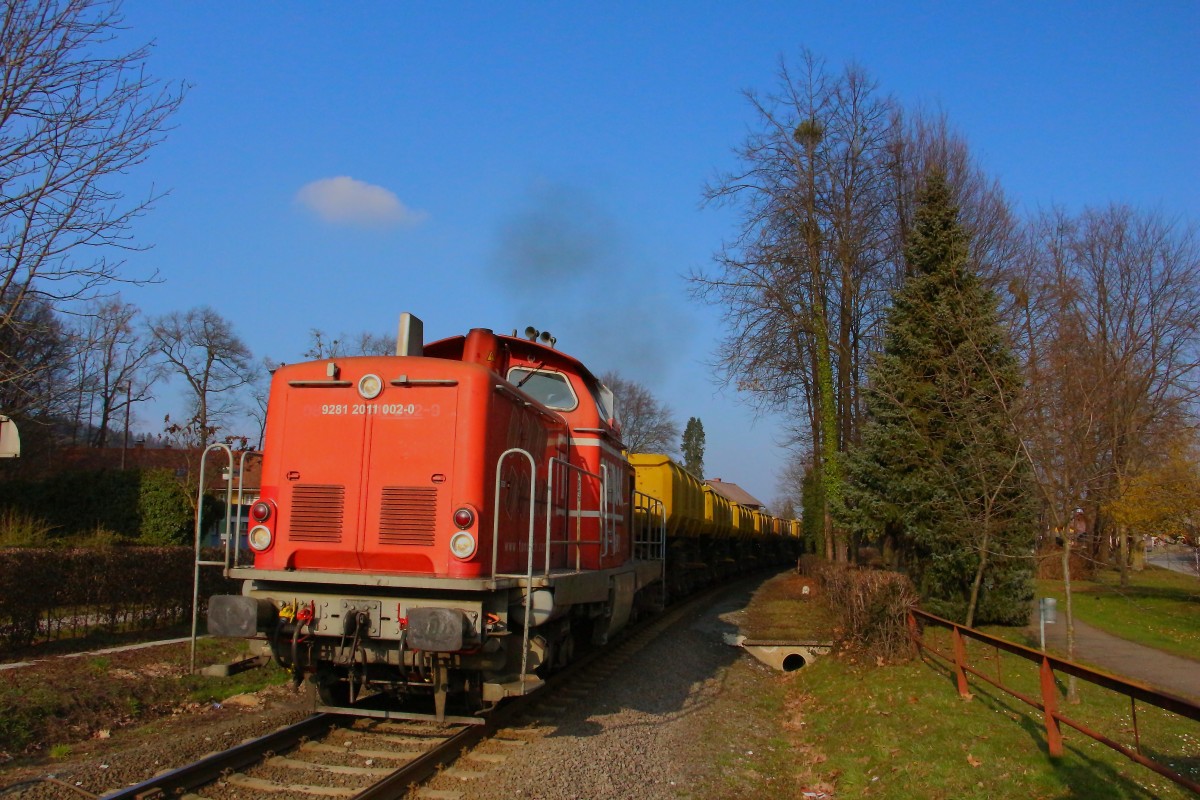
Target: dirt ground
117, 719
101, 720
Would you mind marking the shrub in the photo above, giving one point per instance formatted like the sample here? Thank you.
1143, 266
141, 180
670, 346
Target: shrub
1049, 563
164, 509
22, 529
873, 605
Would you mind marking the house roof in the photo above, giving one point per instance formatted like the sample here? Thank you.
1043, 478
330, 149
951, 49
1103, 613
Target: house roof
734, 493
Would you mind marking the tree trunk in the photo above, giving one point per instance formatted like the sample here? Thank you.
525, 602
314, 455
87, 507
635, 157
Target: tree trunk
1123, 537
1072, 695
830, 478
973, 604
1138, 556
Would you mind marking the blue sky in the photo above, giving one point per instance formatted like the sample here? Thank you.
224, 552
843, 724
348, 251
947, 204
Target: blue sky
510, 164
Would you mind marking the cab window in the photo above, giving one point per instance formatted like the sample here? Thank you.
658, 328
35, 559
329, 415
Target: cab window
551, 389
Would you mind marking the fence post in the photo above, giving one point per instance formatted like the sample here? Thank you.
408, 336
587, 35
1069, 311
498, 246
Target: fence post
913, 634
1050, 710
960, 658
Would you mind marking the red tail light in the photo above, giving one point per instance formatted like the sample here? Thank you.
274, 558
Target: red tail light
260, 511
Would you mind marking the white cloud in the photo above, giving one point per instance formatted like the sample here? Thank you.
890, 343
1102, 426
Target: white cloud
347, 201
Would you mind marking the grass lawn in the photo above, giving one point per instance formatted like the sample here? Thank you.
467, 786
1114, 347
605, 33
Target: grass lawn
1159, 608
851, 727
901, 731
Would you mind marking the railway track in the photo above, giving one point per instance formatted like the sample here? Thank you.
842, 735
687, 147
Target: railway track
343, 756
326, 755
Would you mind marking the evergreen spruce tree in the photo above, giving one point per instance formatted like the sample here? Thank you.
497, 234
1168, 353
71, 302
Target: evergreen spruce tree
693, 447
940, 473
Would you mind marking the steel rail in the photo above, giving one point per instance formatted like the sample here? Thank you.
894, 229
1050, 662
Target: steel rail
398, 784
210, 768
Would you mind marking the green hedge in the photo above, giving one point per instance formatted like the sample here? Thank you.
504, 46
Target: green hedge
151, 504
52, 593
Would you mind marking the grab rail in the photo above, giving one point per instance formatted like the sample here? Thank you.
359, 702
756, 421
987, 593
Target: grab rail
199, 532
557, 466
650, 533
496, 541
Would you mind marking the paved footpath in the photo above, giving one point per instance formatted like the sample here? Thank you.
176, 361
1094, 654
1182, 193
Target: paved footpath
1164, 671
105, 651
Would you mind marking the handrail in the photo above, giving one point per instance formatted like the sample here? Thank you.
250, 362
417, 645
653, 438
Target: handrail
237, 537
602, 509
1048, 665
650, 534
579, 473
496, 543
199, 517
496, 504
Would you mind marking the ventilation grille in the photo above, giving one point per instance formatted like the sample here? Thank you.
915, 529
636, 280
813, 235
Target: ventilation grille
317, 513
406, 515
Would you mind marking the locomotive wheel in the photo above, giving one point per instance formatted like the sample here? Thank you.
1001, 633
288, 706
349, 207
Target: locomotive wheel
332, 690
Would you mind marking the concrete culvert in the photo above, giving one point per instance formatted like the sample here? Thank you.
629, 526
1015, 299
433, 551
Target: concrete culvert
784, 656
793, 662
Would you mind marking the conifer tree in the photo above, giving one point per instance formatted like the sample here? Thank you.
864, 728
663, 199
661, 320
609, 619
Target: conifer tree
693, 447
940, 471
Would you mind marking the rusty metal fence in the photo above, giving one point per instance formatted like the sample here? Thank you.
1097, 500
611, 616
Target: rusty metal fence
1048, 667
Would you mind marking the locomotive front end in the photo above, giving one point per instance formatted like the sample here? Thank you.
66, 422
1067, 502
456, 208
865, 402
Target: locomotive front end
440, 527
373, 537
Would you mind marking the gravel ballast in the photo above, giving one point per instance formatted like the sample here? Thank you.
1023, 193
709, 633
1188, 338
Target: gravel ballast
675, 719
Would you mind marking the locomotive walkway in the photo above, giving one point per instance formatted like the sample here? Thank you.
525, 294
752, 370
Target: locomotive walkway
1165, 671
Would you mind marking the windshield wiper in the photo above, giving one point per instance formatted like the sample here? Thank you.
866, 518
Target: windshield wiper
532, 372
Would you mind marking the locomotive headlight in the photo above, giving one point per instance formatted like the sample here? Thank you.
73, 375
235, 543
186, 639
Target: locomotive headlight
462, 545
259, 537
369, 386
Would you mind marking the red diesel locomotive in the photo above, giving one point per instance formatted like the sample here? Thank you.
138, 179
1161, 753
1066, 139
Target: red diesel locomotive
442, 525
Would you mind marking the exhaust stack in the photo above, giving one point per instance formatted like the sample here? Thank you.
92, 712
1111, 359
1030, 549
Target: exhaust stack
411, 339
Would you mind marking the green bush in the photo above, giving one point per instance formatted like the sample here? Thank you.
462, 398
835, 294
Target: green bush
164, 509
151, 505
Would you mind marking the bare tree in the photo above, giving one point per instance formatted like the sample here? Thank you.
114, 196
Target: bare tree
803, 280
1114, 335
200, 346
114, 361
826, 185
790, 483
76, 114
364, 343
647, 426
36, 346
260, 395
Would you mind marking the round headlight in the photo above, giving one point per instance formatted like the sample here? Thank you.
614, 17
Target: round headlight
260, 537
369, 386
462, 545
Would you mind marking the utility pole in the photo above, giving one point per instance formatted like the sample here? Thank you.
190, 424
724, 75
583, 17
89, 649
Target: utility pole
128, 402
